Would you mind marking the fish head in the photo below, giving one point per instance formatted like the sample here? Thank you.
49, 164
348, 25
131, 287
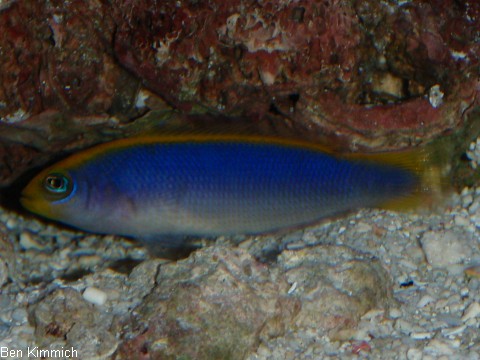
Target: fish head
51, 194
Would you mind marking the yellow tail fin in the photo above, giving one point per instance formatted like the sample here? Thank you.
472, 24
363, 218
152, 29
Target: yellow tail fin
430, 163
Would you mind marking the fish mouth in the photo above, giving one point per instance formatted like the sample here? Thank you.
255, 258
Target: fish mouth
26, 201
29, 203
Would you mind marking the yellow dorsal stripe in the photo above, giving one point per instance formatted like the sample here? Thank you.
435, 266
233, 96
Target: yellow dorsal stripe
86, 155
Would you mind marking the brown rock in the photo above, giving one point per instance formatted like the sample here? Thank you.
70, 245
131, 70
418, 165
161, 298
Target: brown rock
336, 286
212, 305
221, 303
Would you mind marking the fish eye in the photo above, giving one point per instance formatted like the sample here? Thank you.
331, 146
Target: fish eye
56, 183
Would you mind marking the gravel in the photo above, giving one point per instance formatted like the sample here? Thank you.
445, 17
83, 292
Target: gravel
422, 269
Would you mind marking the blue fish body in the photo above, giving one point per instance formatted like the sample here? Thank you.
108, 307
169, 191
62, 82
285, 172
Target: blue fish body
211, 186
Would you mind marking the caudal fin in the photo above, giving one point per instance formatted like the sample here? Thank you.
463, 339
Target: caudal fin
431, 164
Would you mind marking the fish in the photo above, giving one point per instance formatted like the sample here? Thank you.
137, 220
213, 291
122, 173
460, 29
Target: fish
211, 185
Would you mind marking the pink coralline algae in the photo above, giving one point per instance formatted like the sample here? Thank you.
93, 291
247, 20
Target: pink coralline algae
363, 70
58, 79
239, 56
53, 57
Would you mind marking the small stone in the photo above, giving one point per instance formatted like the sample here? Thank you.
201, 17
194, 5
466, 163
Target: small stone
59, 265
19, 315
374, 314
445, 248
471, 312
448, 320
3, 273
392, 227
467, 200
457, 307
453, 331
414, 354
408, 264
461, 220
292, 288
88, 261
422, 335
441, 304
474, 207
473, 271
435, 96
363, 227
95, 296
437, 347
388, 84
475, 218
142, 277
22, 329
27, 242
404, 326
395, 313
424, 301
11, 223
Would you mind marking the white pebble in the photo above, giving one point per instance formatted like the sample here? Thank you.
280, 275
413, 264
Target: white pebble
19, 315
437, 347
422, 335
441, 304
11, 223
424, 301
445, 248
453, 331
395, 313
363, 227
461, 220
3, 273
292, 288
95, 296
408, 264
89, 260
457, 307
467, 200
374, 313
475, 218
472, 322
404, 326
17, 331
435, 96
414, 354
471, 312
27, 241
59, 265
392, 227
474, 207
